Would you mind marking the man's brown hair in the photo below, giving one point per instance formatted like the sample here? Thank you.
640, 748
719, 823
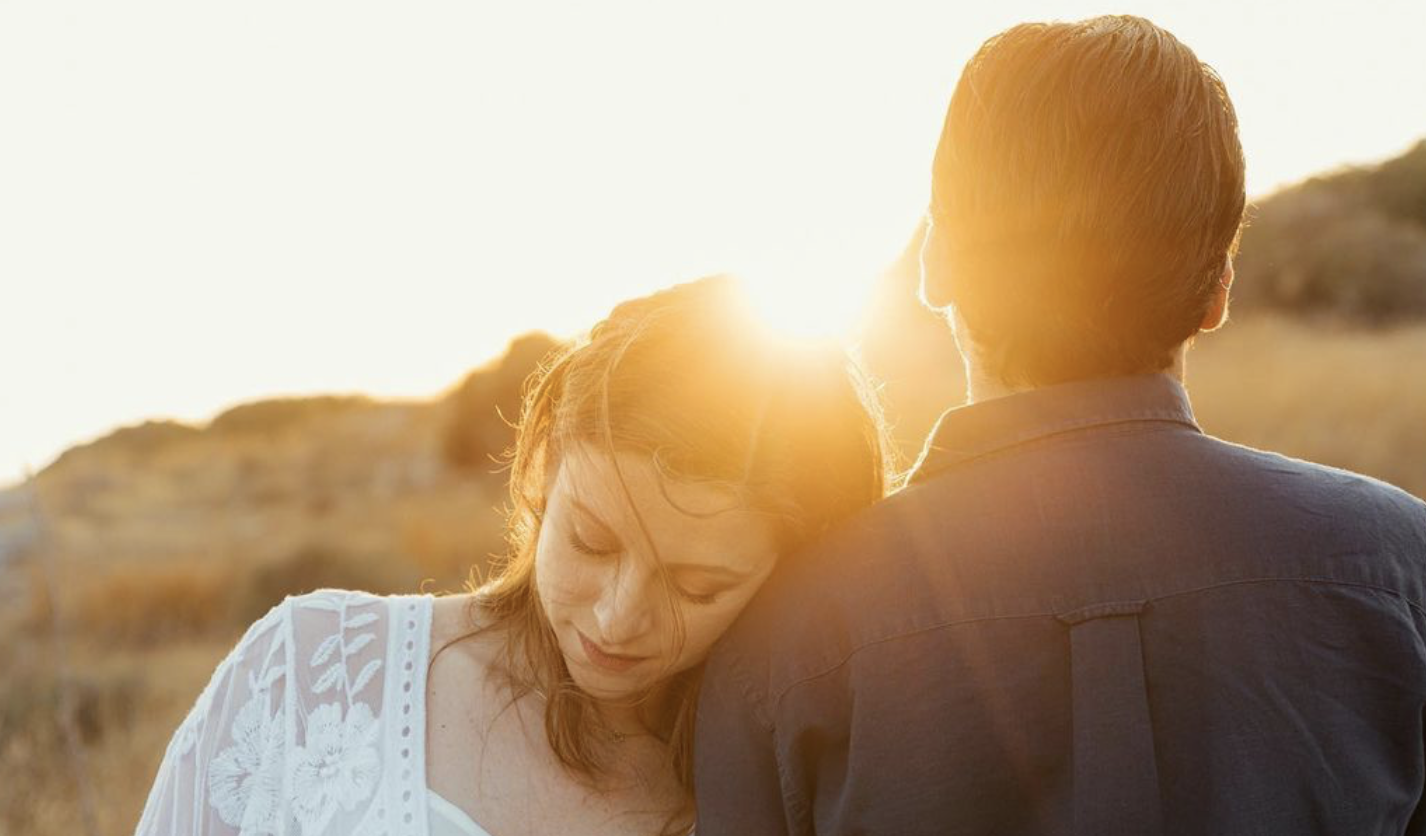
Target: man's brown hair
1087, 191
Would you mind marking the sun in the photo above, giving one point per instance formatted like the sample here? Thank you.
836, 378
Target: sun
807, 305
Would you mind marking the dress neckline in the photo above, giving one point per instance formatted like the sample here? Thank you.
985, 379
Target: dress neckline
435, 801
461, 818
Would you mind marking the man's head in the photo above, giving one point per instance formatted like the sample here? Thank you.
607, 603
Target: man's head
1086, 199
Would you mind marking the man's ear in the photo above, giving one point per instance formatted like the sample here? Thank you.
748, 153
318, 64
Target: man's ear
935, 268
1217, 312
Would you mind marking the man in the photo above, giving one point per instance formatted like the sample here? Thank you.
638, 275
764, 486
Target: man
1083, 615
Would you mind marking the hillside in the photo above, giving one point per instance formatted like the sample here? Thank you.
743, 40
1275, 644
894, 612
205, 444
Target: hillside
1351, 244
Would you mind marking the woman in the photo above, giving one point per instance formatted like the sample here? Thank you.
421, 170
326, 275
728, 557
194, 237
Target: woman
662, 467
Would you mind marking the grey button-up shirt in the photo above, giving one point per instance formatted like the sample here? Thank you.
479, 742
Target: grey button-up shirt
1085, 616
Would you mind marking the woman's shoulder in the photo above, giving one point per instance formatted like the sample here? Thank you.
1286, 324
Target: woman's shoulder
460, 627
451, 625
334, 598
448, 614
350, 635
353, 621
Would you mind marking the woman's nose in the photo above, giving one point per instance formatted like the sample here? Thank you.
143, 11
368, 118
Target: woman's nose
625, 608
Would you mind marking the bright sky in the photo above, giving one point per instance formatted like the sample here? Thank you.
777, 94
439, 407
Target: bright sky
205, 203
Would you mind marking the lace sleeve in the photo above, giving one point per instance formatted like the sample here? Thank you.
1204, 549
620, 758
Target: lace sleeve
289, 735
222, 771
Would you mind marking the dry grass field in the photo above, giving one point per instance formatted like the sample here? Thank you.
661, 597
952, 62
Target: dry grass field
211, 538
1348, 398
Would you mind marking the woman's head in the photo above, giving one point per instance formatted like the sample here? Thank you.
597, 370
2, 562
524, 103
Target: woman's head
663, 466
638, 572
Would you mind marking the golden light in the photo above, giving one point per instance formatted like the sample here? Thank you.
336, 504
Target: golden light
807, 303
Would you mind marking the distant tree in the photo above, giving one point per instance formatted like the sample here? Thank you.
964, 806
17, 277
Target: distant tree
482, 408
1350, 244
1400, 185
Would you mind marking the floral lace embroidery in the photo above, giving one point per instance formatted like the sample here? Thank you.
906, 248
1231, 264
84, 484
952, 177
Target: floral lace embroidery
339, 766
245, 779
337, 769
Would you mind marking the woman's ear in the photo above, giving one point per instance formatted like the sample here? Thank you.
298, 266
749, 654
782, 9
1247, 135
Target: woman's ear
1217, 312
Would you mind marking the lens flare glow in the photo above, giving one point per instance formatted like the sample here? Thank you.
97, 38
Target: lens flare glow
803, 303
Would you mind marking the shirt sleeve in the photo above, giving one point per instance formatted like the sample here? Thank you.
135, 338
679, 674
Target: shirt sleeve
737, 782
221, 774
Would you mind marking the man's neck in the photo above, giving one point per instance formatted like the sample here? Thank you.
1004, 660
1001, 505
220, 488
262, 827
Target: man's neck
983, 386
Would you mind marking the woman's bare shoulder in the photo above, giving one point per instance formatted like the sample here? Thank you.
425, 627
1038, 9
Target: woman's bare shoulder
460, 627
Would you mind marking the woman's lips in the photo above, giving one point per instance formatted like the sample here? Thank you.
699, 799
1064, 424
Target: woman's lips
608, 661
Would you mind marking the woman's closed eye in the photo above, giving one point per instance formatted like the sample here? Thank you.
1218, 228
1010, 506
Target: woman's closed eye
698, 586
695, 597
702, 583
702, 599
578, 544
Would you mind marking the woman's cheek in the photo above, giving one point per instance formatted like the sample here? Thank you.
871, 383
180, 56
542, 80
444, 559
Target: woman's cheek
569, 584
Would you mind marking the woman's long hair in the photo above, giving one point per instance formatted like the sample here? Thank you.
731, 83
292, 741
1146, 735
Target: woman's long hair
687, 377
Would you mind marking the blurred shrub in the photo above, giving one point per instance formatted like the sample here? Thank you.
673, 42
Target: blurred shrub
312, 566
106, 695
1400, 185
33, 761
100, 701
483, 406
145, 603
141, 440
268, 417
1351, 244
446, 537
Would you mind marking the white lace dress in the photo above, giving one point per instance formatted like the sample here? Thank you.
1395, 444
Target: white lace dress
314, 725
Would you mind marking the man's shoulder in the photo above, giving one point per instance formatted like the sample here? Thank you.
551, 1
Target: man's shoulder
934, 552
825, 597
1335, 490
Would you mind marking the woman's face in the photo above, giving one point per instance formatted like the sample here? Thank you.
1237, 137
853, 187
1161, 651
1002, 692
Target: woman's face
599, 576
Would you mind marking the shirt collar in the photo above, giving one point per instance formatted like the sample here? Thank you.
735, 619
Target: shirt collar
975, 430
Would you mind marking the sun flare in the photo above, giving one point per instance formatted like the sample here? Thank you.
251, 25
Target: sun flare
808, 305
